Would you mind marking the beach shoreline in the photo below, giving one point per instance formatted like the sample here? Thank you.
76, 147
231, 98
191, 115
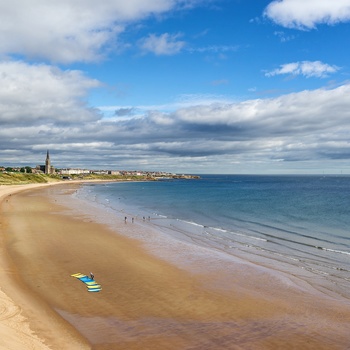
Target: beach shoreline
146, 302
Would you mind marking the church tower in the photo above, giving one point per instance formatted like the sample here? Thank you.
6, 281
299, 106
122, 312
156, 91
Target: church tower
47, 163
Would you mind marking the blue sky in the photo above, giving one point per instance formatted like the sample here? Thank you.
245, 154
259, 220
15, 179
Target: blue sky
196, 86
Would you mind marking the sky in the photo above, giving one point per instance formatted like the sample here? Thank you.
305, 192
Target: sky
184, 86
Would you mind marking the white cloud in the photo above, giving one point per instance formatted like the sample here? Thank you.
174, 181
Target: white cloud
307, 14
68, 31
30, 93
308, 69
164, 44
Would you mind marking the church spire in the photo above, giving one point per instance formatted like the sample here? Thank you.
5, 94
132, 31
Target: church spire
47, 163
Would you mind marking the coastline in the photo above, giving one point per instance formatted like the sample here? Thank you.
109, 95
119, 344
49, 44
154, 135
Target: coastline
146, 302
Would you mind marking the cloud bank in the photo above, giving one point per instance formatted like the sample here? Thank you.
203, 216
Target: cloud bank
298, 127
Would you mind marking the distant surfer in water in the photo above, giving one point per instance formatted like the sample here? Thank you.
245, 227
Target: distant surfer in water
92, 275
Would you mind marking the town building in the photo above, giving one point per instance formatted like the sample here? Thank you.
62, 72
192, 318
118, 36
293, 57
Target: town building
74, 171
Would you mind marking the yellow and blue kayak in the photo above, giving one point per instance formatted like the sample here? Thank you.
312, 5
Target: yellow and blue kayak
92, 285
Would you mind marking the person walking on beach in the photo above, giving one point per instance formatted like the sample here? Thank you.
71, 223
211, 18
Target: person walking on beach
92, 275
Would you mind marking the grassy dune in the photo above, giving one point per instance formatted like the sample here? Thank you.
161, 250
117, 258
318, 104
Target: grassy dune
23, 178
7, 178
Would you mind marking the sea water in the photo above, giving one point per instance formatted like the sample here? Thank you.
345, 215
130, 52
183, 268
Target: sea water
299, 225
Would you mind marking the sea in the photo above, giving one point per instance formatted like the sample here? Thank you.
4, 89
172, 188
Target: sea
294, 224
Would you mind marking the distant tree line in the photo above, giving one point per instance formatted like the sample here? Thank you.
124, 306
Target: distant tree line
25, 169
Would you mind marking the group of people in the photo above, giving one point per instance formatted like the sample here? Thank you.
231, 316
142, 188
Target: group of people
126, 219
132, 219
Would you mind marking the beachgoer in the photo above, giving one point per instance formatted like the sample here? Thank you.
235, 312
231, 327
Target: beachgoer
92, 275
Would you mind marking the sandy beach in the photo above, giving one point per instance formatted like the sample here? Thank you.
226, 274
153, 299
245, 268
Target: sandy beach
146, 302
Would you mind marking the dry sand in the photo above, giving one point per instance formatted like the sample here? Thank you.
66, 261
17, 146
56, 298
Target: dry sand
146, 302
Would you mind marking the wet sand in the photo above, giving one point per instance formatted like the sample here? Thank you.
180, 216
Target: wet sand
146, 302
